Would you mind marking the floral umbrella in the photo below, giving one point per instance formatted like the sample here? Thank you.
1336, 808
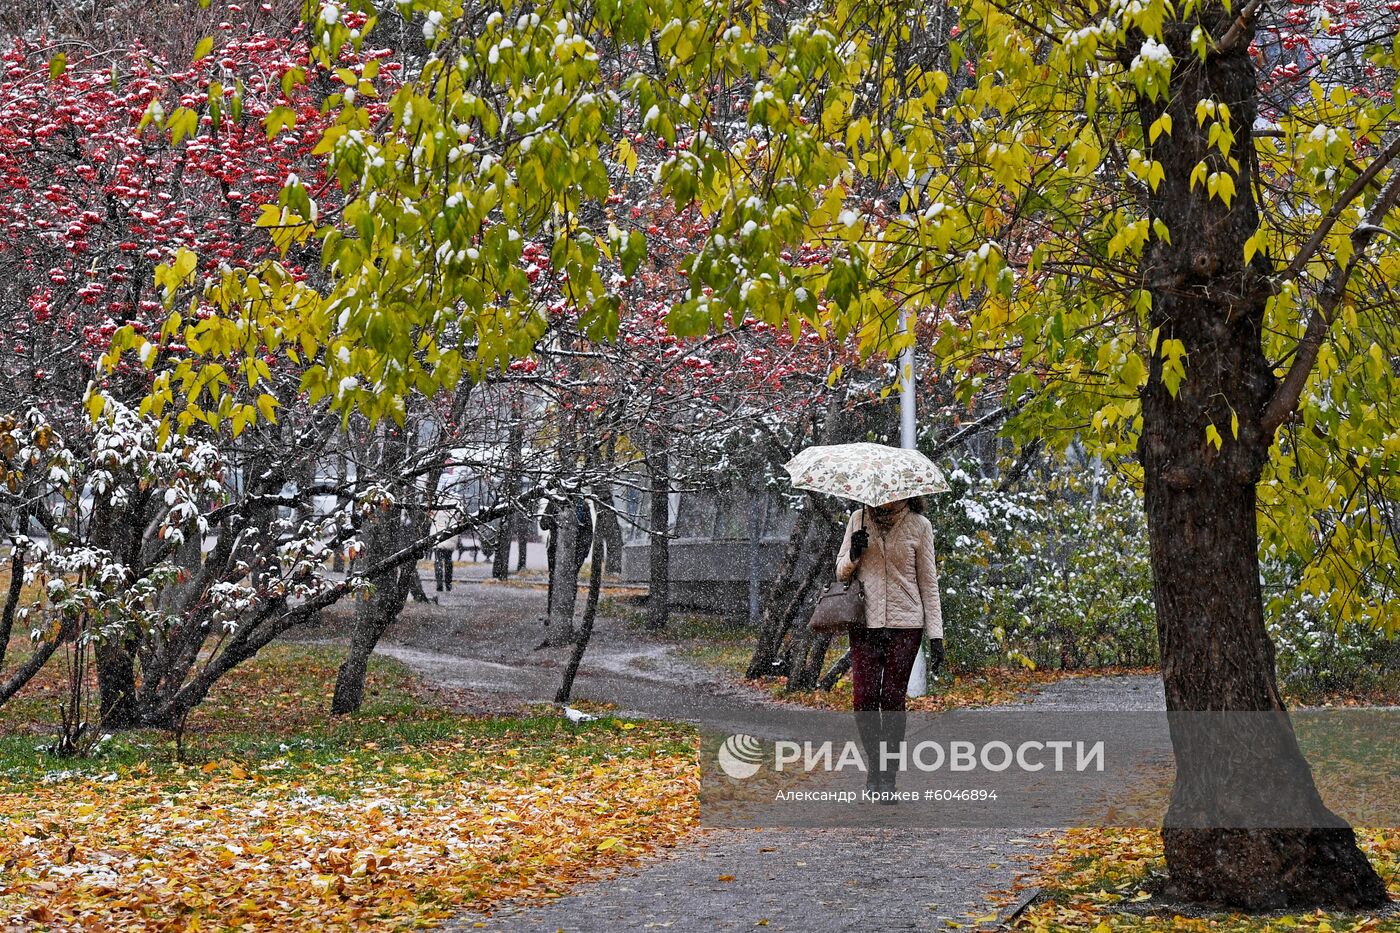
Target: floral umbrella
873, 474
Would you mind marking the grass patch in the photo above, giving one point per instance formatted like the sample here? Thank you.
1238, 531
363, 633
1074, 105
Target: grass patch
388, 819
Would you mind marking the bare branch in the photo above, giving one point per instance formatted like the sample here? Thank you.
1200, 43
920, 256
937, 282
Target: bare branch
1239, 28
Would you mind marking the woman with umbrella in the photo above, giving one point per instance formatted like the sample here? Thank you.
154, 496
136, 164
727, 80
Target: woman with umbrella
888, 546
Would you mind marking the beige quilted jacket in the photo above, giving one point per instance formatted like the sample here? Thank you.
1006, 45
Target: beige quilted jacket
898, 572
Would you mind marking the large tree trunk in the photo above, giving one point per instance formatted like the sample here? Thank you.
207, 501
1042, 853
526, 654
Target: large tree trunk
116, 683
1200, 501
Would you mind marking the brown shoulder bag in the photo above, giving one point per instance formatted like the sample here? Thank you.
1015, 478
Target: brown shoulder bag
841, 606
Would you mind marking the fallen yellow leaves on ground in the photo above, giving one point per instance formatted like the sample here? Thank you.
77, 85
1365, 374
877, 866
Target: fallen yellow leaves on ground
388, 844
1093, 873
285, 819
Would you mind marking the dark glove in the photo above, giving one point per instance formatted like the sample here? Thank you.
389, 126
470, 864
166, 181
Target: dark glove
936, 655
860, 540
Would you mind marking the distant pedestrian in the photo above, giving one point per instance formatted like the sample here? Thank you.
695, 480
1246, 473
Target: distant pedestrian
443, 519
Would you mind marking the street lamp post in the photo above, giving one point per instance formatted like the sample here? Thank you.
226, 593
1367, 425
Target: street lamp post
909, 440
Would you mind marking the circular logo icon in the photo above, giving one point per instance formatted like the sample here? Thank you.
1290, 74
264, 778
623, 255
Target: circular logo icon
739, 756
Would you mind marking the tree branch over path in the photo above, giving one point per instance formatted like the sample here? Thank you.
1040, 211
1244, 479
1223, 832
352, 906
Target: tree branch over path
1354, 191
1285, 399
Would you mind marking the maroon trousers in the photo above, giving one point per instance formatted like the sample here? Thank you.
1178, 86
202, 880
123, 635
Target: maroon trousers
881, 659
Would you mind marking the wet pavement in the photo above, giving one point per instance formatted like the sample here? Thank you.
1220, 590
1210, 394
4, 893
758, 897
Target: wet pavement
817, 880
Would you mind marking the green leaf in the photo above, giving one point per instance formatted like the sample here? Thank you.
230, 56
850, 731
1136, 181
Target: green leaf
1134, 371
278, 119
181, 123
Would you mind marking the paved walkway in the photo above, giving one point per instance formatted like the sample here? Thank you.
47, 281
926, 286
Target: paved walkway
807, 880
816, 880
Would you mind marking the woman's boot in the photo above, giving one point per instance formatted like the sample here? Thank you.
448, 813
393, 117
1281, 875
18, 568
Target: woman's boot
869, 726
892, 723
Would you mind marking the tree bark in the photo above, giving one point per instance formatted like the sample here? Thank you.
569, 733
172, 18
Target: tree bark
341, 472
388, 533
563, 581
373, 617
1201, 513
839, 669
116, 683
500, 557
585, 631
114, 657
808, 650
506, 528
607, 530
775, 620
12, 594
659, 540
